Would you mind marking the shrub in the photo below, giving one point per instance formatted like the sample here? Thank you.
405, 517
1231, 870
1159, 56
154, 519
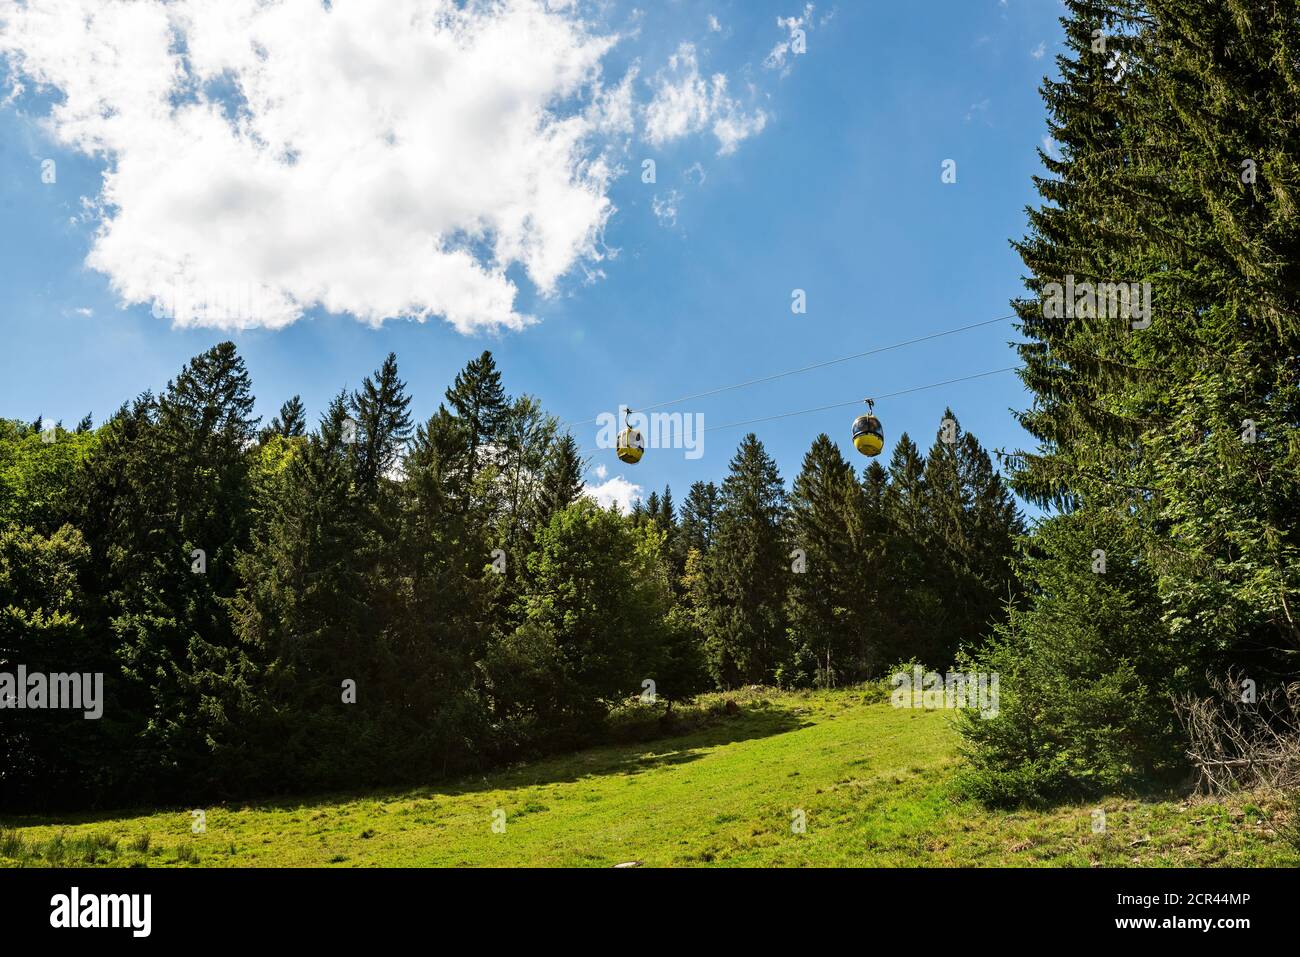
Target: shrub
1086, 672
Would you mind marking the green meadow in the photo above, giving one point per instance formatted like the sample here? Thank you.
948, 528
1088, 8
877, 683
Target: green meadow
871, 784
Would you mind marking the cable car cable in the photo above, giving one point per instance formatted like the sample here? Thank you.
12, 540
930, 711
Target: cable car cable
840, 405
810, 368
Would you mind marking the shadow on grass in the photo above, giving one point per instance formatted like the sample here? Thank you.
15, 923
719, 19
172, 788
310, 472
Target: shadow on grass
629, 759
1172, 787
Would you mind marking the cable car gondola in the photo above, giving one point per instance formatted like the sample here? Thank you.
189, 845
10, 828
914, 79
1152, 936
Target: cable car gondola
868, 433
631, 446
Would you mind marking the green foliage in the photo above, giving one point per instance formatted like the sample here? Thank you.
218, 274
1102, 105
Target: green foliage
561, 479
42, 626
34, 487
746, 573
1177, 434
830, 605
291, 423
1086, 673
592, 621
375, 601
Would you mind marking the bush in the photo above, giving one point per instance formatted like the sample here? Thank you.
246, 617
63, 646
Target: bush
1086, 673
592, 629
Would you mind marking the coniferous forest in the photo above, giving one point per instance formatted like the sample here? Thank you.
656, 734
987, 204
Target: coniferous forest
369, 599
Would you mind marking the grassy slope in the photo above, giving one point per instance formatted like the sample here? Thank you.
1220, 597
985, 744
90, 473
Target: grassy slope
872, 781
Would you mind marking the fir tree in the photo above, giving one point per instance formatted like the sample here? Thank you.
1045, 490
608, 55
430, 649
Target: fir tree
700, 516
477, 397
290, 423
826, 606
381, 409
747, 572
561, 482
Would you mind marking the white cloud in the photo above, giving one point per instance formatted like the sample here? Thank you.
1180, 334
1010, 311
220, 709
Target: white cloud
617, 491
665, 207
382, 160
685, 103
1039, 51
601, 471
714, 25
613, 110
794, 45
1050, 147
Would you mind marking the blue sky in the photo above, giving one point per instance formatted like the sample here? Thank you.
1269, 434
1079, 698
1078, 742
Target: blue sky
838, 194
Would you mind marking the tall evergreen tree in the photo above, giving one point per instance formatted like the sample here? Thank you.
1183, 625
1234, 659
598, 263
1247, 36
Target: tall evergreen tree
650, 512
443, 620
910, 600
700, 516
167, 509
561, 483
305, 618
747, 572
477, 397
1173, 170
826, 608
381, 410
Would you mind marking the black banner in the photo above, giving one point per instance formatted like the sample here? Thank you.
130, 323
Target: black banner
202, 906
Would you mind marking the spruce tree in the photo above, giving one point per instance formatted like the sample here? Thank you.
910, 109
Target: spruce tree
700, 516
1174, 170
652, 507
828, 624
305, 618
909, 601
477, 397
167, 510
381, 410
290, 423
747, 572
561, 482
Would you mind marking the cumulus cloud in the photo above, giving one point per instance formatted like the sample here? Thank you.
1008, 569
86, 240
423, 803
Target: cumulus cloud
383, 160
795, 44
617, 491
685, 103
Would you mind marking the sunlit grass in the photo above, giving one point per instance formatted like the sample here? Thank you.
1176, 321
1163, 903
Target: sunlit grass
872, 783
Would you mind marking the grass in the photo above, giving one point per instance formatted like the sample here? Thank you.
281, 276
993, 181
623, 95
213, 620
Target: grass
872, 784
